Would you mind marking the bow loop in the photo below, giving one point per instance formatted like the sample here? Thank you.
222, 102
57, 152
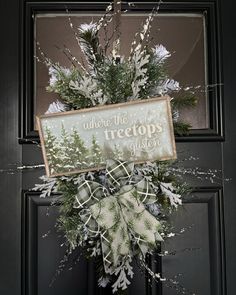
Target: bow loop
88, 193
145, 192
90, 223
118, 173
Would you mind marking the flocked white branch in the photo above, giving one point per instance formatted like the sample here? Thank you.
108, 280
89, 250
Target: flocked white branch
125, 269
168, 190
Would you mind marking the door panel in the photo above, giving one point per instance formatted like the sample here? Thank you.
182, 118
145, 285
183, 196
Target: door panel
198, 250
43, 254
30, 261
202, 268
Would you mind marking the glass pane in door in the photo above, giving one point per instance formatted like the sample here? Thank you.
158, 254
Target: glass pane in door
182, 34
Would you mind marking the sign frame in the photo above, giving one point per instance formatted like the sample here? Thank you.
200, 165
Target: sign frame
92, 110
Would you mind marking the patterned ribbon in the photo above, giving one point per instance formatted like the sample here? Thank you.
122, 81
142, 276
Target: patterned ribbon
118, 217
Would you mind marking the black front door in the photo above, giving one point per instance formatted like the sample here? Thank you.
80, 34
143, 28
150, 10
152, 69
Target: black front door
31, 249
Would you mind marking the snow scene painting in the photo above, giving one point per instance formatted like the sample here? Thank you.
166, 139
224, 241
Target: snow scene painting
83, 140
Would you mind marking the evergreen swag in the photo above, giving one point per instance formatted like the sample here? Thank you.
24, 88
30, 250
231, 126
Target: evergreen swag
107, 79
158, 193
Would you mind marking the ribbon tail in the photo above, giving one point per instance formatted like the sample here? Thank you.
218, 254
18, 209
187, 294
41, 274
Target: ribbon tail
114, 234
142, 224
90, 223
107, 252
115, 245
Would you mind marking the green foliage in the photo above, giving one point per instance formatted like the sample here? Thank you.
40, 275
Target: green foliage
68, 190
181, 128
156, 72
70, 96
114, 79
90, 45
184, 100
161, 173
69, 221
181, 101
69, 226
183, 188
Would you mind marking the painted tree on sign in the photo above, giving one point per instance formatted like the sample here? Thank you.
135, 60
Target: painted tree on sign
66, 149
69, 152
80, 153
96, 157
117, 153
52, 151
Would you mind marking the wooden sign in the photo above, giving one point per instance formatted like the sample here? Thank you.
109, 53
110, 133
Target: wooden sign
83, 140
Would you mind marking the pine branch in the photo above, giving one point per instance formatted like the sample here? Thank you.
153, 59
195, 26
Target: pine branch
181, 128
115, 80
184, 100
90, 45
